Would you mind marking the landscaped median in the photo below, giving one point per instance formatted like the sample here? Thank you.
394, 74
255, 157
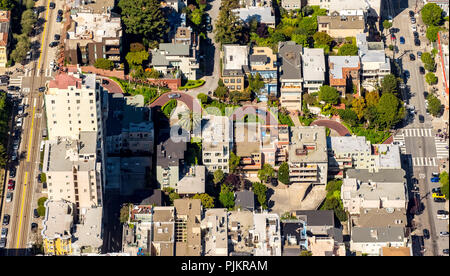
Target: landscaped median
190, 84
150, 93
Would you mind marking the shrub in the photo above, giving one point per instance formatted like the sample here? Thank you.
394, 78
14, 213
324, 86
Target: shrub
41, 201
103, 63
168, 107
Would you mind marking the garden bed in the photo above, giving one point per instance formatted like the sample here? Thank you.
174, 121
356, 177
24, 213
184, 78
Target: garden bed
190, 84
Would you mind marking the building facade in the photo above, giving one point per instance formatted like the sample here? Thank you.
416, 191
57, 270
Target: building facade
313, 69
235, 66
5, 34
217, 142
291, 77
264, 63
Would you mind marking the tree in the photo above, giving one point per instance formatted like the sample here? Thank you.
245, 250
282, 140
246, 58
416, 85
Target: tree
358, 106
144, 18
124, 213
233, 161
431, 78
152, 73
228, 30
431, 14
309, 99
137, 47
196, 17
22, 47
218, 176
443, 178
255, 83
207, 200
307, 26
136, 59
260, 191
370, 114
372, 98
432, 33
203, 98
387, 25
322, 38
349, 116
305, 253
266, 173
27, 21
389, 111
328, 94
221, 92
103, 63
283, 173
29, 4
348, 50
6, 5
389, 84
434, 105
428, 61
226, 196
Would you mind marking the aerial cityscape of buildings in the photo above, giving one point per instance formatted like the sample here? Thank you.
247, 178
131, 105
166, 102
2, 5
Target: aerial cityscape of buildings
248, 128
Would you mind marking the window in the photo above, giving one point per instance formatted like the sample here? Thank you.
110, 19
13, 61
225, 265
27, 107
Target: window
53, 101
78, 101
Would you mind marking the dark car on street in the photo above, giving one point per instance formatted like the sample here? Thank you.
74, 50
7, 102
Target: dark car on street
417, 42
412, 57
416, 34
426, 234
34, 227
13, 88
52, 5
439, 200
436, 190
402, 40
41, 89
6, 219
57, 37
53, 44
419, 54
421, 119
411, 13
422, 70
12, 172
60, 12
59, 19
35, 213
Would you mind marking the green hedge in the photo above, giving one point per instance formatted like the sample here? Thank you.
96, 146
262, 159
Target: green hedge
285, 119
190, 84
306, 121
375, 137
168, 107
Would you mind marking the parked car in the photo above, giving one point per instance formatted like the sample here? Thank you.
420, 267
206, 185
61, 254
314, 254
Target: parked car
53, 44
417, 42
9, 197
442, 214
426, 234
19, 122
35, 213
402, 40
57, 37
443, 234
59, 19
411, 13
34, 227
412, 57
4, 232
11, 185
436, 190
416, 34
407, 74
174, 96
422, 70
438, 195
434, 179
52, 5
413, 21
439, 200
413, 27
12, 172
419, 53
6, 219
13, 88
2, 242
209, 28
60, 12
445, 251
435, 174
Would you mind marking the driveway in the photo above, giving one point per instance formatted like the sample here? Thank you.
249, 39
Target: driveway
112, 86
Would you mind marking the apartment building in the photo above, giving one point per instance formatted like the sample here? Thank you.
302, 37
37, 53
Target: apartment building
73, 171
153, 231
362, 189
341, 26
370, 8
93, 34
274, 144
235, 66
344, 74
214, 228
383, 217
247, 137
188, 236
192, 181
326, 246
293, 236
264, 62
370, 240
307, 157
129, 126
266, 234
169, 162
374, 63
318, 222
293, 4
5, 34
264, 15
313, 69
88, 234
291, 77
73, 105
57, 227
172, 57
217, 142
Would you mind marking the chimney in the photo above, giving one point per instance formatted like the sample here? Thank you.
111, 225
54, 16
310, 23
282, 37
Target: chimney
374, 233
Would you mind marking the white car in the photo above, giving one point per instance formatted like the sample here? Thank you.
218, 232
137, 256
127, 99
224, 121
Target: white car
9, 197
413, 28
19, 122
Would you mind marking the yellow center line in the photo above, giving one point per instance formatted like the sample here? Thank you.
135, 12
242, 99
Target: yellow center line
31, 135
21, 208
43, 36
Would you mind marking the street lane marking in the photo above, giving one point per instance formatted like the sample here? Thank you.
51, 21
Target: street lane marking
43, 38
21, 209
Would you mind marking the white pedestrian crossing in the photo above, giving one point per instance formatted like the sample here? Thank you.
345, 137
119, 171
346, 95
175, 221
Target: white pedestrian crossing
28, 72
417, 132
424, 161
441, 147
16, 81
399, 139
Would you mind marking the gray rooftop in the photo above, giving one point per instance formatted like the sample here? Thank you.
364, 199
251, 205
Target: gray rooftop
193, 181
383, 175
389, 156
308, 136
235, 57
262, 14
175, 49
58, 220
345, 144
89, 231
316, 217
246, 200
313, 64
169, 152
290, 55
339, 62
377, 234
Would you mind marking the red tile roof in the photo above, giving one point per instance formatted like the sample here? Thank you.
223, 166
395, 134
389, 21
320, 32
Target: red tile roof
63, 81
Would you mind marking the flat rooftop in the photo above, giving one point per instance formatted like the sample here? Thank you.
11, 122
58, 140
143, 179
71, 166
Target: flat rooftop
337, 63
308, 144
313, 64
247, 138
345, 144
58, 221
235, 57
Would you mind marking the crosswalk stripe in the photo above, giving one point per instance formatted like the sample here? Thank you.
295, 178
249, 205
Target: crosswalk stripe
434, 162
424, 161
417, 132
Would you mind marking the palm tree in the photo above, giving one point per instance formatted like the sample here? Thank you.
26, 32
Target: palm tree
189, 120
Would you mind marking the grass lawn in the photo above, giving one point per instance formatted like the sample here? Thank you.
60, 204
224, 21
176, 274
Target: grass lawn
192, 84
